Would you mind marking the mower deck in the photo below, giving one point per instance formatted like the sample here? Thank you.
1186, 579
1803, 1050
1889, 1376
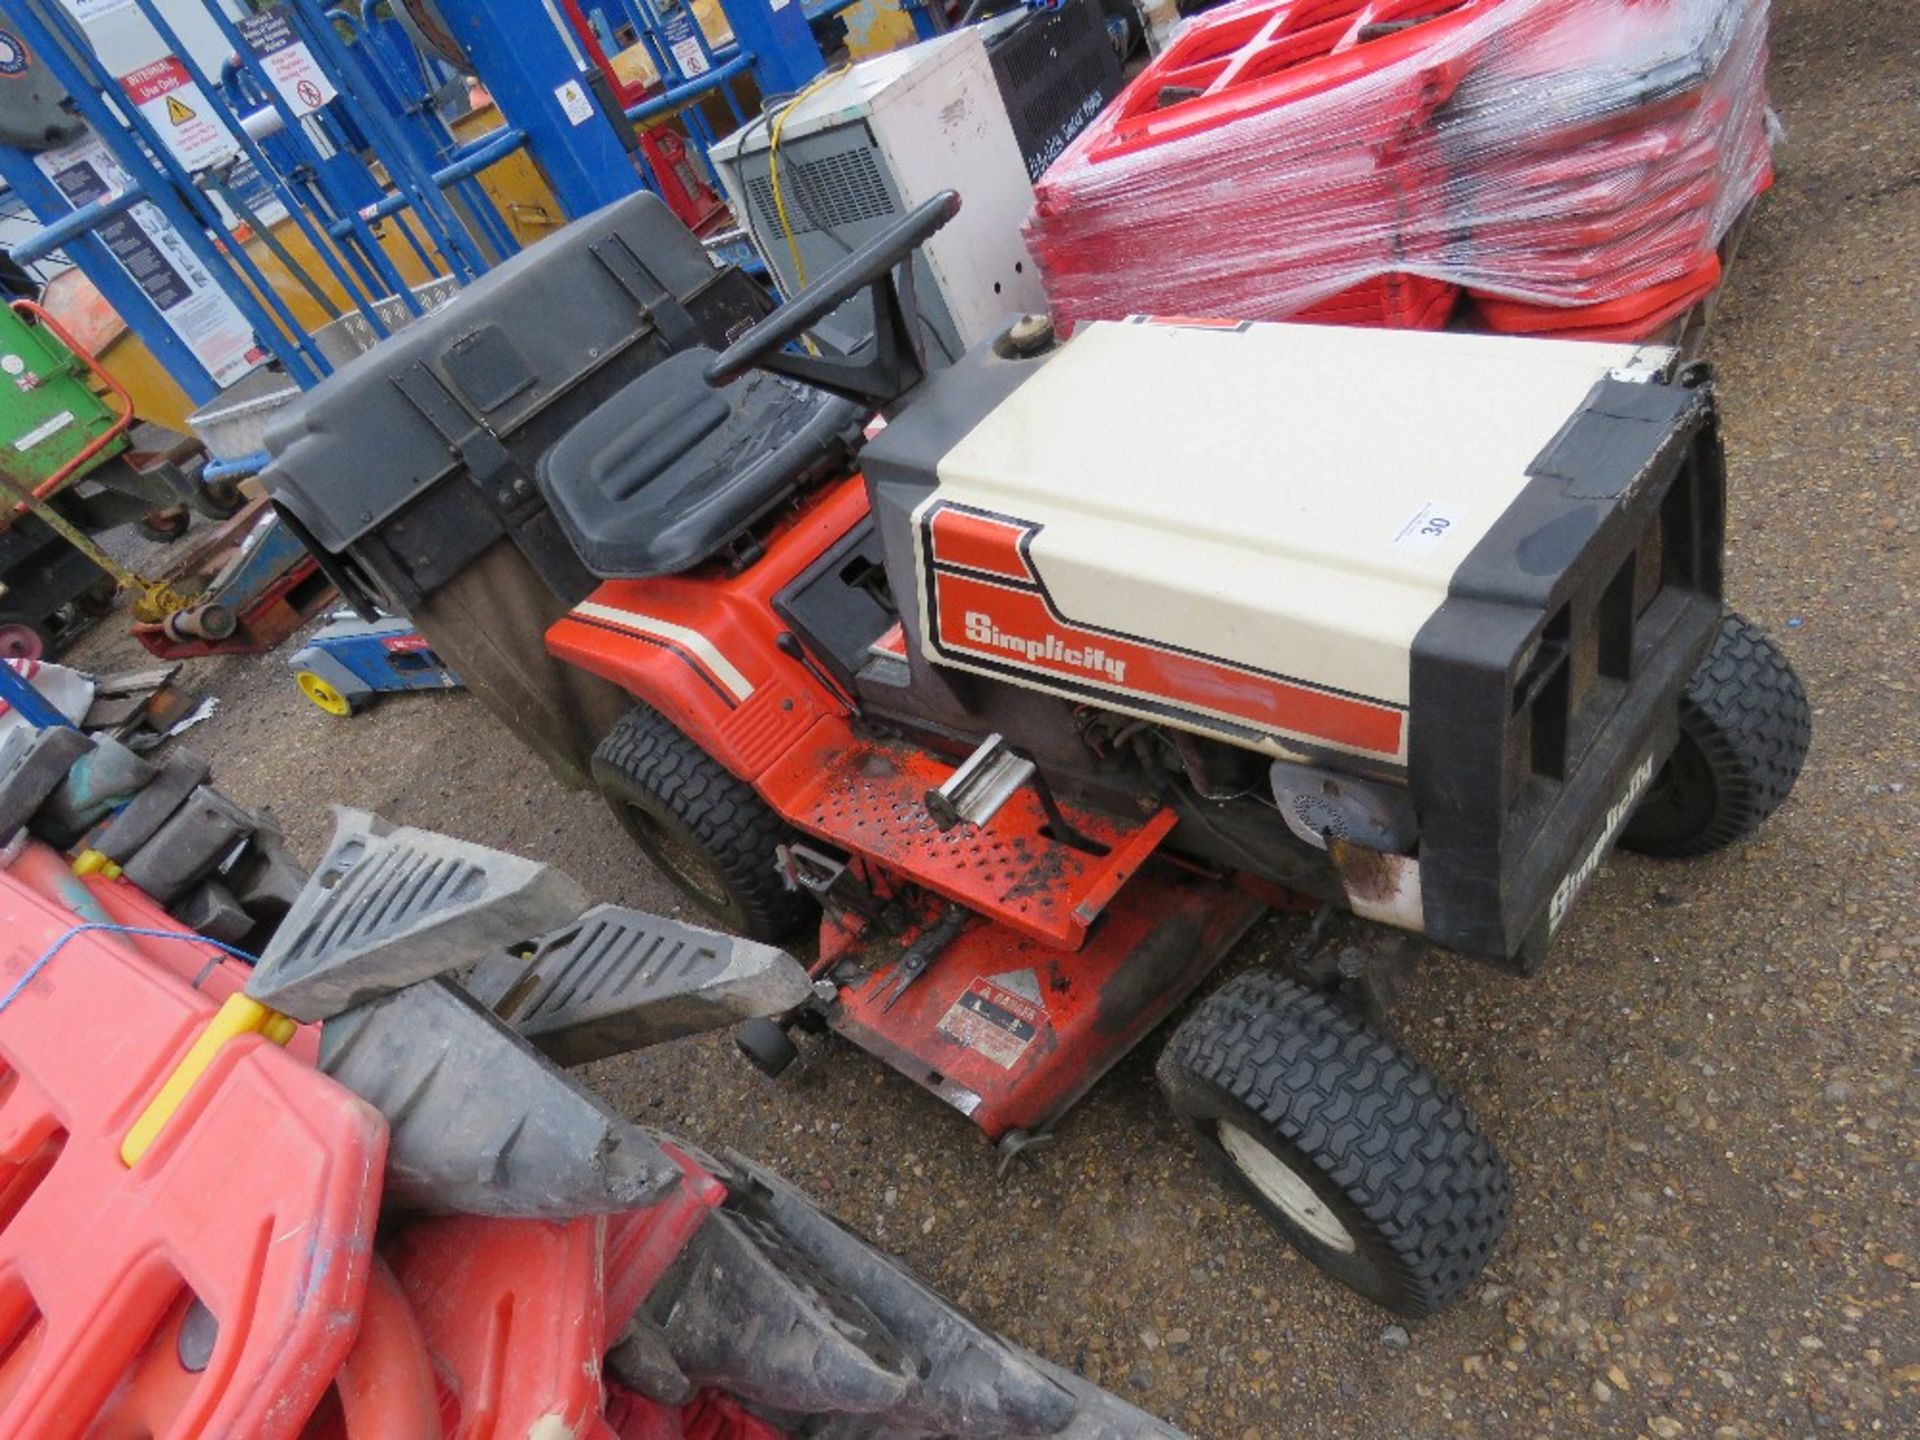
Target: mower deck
869, 798
1011, 1031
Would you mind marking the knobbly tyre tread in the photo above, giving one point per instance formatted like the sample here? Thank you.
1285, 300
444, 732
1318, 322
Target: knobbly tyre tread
1428, 1194
1746, 711
646, 755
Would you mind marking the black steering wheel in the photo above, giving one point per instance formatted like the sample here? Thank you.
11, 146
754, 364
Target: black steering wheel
890, 362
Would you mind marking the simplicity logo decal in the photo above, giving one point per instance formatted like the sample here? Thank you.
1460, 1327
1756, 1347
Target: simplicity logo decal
1616, 818
982, 631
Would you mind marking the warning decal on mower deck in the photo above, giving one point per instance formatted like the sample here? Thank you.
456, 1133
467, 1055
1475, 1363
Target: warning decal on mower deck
994, 1020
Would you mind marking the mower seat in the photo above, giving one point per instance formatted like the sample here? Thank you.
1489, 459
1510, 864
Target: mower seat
669, 470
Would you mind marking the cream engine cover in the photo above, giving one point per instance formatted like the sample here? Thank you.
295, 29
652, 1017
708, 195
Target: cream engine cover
1238, 529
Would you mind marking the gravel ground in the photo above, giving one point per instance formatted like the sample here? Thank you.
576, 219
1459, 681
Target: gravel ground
1706, 1100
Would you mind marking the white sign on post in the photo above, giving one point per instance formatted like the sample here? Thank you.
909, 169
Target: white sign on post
684, 43
180, 114
287, 60
157, 259
574, 102
85, 10
693, 60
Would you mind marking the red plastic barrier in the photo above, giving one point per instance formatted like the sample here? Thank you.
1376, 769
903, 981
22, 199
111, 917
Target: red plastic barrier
214, 1287
205, 968
1630, 318
226, 1283
1363, 161
555, 1297
514, 1311
708, 1416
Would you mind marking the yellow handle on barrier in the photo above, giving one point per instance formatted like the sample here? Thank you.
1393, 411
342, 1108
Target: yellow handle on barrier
92, 862
239, 1015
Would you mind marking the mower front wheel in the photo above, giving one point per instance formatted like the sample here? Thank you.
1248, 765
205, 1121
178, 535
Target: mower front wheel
1348, 1146
701, 824
1745, 726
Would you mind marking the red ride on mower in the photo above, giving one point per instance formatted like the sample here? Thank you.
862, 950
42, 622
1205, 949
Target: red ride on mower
1107, 647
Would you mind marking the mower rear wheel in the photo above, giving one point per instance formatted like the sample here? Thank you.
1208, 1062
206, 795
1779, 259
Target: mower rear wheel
701, 824
1349, 1147
1744, 730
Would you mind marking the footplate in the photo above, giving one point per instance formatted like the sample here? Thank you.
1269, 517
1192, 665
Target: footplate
870, 800
390, 906
1012, 1033
617, 980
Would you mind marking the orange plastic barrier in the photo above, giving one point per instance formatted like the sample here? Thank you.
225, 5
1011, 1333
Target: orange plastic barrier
215, 1287
225, 1283
515, 1312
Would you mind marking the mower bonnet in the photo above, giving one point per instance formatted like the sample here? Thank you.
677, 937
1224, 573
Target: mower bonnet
1472, 570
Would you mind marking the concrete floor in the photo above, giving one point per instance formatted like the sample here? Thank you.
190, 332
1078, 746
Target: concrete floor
1706, 1099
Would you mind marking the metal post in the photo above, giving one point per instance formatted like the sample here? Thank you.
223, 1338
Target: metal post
471, 199
407, 88
321, 204
654, 28
304, 363
533, 69
171, 39
50, 43
307, 175
927, 20
669, 100
346, 206
409, 101
347, 183
271, 316
404, 169
785, 56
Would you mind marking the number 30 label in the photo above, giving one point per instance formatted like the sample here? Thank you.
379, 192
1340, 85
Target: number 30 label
1428, 526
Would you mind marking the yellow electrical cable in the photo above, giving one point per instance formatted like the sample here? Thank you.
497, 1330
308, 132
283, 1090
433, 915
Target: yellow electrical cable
773, 168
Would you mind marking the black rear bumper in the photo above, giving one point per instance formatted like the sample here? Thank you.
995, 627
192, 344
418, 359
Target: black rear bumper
1545, 690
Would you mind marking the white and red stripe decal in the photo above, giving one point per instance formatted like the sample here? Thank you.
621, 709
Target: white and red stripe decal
987, 603
688, 642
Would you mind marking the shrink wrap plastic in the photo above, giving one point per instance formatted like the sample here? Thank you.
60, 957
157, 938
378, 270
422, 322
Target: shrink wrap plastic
1571, 164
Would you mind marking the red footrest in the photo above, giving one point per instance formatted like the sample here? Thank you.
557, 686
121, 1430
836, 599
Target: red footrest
869, 799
